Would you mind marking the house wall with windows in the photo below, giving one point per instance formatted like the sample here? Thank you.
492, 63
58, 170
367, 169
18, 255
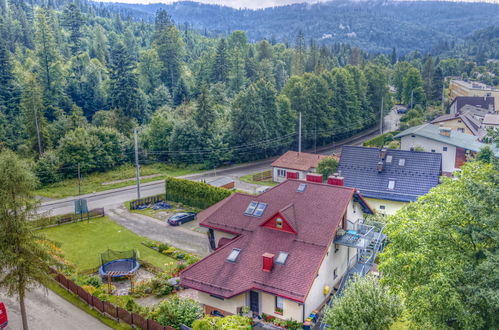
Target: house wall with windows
384, 206
279, 174
211, 303
290, 308
456, 125
448, 151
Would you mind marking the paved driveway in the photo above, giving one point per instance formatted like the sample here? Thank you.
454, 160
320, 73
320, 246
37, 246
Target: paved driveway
178, 236
47, 310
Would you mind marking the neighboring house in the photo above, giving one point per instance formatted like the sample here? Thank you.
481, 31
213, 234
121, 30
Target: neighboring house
294, 165
461, 104
461, 122
473, 88
276, 252
454, 146
388, 178
490, 121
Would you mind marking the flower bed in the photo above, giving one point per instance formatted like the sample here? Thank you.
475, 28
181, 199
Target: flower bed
285, 324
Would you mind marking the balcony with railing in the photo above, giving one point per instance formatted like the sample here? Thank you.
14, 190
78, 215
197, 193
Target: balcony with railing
359, 236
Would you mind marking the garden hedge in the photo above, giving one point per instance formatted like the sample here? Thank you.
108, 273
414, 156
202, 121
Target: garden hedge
192, 193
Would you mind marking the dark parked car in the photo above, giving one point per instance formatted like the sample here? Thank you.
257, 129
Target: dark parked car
402, 110
180, 218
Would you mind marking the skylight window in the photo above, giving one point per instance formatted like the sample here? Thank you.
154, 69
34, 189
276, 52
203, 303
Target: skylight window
260, 209
281, 258
401, 162
251, 208
391, 184
302, 187
389, 158
233, 255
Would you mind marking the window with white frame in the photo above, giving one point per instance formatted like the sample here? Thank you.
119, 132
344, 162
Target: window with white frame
281, 173
279, 305
391, 184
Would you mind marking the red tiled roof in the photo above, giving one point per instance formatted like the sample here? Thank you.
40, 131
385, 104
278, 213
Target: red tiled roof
315, 214
300, 161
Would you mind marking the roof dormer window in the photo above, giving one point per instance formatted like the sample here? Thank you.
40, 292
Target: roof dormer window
391, 184
278, 223
401, 162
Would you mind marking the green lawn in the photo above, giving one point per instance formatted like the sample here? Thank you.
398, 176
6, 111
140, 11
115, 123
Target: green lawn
249, 179
94, 182
83, 242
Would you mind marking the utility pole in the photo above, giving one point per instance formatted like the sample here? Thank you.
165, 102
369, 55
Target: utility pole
299, 133
381, 117
443, 97
79, 180
36, 123
412, 98
137, 166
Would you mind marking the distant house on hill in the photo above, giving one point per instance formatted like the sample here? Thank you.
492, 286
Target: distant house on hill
388, 178
483, 104
461, 122
454, 146
491, 121
294, 165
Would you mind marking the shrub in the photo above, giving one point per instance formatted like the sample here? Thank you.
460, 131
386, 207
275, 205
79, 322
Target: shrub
176, 311
163, 247
192, 193
225, 323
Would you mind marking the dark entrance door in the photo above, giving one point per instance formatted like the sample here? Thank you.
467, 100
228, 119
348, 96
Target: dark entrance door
254, 302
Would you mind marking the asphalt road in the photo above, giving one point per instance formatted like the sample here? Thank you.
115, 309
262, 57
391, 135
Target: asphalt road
111, 199
47, 310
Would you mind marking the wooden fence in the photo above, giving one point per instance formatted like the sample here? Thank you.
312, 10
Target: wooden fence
65, 218
146, 201
263, 176
106, 308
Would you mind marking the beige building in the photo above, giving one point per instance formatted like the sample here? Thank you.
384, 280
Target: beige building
284, 252
461, 122
472, 88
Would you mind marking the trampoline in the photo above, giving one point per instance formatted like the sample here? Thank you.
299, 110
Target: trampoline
118, 263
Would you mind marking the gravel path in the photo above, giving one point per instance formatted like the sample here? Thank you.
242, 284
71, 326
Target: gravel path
179, 236
47, 310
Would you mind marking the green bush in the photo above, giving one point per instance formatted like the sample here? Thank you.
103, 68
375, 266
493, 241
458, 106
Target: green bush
380, 140
192, 193
175, 311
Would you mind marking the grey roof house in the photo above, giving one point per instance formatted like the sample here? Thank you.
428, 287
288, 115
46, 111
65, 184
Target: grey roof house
390, 174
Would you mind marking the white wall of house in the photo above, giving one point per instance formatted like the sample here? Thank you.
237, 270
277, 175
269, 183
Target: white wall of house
228, 305
278, 171
385, 206
448, 157
291, 309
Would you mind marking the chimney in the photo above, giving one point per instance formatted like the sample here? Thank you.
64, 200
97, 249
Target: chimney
314, 177
444, 131
380, 166
382, 153
268, 262
336, 180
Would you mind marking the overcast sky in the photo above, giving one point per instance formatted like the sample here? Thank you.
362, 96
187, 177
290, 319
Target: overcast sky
254, 4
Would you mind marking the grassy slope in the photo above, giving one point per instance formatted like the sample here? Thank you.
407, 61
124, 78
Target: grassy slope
93, 182
83, 242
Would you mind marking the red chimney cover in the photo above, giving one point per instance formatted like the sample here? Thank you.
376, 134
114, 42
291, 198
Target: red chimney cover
336, 180
268, 262
314, 177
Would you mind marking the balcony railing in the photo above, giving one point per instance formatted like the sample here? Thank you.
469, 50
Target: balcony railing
360, 236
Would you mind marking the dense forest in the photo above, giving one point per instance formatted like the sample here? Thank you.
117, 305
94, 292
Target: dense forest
374, 25
76, 79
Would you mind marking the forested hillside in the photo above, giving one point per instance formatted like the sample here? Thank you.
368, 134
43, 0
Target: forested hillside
77, 79
376, 26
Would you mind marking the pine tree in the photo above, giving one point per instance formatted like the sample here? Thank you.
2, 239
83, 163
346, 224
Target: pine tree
204, 115
394, 56
24, 259
124, 92
72, 19
220, 68
299, 55
50, 71
33, 114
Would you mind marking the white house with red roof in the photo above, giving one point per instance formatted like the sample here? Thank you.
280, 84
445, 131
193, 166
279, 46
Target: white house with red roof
294, 165
282, 252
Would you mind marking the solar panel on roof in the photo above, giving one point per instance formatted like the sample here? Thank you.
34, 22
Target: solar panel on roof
260, 209
302, 187
251, 208
233, 255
